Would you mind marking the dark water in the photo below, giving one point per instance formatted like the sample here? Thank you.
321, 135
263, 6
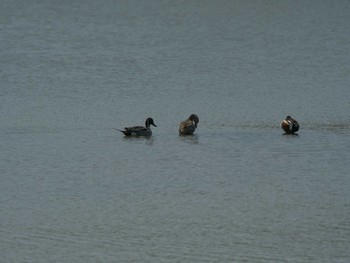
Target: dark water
75, 190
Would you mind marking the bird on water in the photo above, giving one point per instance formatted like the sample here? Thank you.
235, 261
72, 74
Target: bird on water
139, 130
188, 126
289, 125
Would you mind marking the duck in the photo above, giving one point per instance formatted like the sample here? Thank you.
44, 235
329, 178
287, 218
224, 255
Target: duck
188, 126
139, 130
289, 125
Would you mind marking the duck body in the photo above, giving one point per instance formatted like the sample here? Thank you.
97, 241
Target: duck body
137, 131
289, 125
188, 126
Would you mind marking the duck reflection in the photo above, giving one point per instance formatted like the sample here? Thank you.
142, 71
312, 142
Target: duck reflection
191, 139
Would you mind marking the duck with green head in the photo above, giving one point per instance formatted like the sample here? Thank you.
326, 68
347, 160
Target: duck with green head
139, 130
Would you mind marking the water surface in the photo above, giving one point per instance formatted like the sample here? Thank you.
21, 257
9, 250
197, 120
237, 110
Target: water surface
73, 189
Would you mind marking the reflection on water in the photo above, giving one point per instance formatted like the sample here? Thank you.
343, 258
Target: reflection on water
191, 139
291, 134
149, 140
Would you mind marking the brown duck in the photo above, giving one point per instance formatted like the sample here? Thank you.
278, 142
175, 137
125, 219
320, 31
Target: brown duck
188, 126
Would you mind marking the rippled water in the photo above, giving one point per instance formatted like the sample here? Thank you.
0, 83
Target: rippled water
73, 189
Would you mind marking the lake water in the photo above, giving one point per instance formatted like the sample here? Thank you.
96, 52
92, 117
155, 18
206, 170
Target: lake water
73, 189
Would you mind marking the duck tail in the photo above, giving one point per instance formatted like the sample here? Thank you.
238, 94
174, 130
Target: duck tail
119, 130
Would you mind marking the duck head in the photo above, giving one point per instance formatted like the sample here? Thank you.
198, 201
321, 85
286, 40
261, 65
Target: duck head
194, 118
150, 122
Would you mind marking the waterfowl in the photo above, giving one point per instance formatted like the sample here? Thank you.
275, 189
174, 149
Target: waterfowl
139, 130
188, 126
289, 125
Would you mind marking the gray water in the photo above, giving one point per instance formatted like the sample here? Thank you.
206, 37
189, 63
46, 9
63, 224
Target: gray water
73, 189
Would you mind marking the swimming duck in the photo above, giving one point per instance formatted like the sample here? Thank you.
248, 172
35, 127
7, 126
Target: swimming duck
188, 126
289, 125
139, 130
